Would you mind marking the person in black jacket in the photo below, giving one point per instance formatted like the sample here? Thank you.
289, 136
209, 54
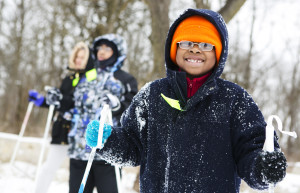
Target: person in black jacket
193, 131
80, 61
107, 84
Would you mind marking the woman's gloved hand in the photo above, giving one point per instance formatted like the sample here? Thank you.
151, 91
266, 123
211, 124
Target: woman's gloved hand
54, 97
35, 97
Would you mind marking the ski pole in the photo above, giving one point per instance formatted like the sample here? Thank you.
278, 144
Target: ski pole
23, 127
269, 142
46, 132
117, 169
103, 119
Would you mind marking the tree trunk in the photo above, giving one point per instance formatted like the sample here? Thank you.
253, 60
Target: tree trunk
293, 106
13, 106
247, 84
159, 11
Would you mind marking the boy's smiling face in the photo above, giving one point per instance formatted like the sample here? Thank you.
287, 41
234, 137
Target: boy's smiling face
195, 62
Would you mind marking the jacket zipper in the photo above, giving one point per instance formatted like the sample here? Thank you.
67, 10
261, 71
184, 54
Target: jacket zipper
191, 88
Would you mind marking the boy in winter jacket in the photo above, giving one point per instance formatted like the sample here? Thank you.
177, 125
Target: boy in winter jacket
106, 84
193, 131
80, 61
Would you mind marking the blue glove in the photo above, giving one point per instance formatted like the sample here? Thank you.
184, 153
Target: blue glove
34, 96
91, 135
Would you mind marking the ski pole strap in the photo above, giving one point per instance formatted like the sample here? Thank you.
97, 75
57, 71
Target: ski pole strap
270, 119
117, 65
172, 102
269, 142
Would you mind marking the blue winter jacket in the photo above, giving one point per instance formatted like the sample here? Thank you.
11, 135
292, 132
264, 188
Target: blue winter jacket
207, 147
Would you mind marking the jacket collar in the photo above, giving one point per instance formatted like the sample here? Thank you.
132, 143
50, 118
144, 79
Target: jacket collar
178, 83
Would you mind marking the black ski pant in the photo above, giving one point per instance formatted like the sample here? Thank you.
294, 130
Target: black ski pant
102, 176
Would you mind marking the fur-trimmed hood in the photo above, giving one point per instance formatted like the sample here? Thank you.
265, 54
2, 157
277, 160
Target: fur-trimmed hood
116, 39
119, 41
79, 46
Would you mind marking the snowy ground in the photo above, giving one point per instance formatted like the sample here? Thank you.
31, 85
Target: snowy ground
14, 180
20, 177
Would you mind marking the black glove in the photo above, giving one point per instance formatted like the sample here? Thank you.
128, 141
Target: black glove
271, 166
112, 101
53, 97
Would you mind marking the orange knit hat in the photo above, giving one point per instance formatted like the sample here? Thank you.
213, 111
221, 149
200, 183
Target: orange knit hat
196, 29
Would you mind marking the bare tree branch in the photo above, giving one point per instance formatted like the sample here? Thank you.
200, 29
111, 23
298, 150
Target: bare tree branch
230, 9
203, 4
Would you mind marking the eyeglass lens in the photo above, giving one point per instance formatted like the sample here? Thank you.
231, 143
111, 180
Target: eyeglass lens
188, 45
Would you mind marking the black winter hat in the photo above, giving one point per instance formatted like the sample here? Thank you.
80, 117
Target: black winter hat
110, 61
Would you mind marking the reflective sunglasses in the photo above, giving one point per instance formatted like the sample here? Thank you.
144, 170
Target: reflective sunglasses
189, 45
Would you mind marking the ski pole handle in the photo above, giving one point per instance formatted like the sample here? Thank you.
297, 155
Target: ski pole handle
269, 142
103, 119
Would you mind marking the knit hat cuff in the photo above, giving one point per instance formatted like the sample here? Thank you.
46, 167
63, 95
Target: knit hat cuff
196, 29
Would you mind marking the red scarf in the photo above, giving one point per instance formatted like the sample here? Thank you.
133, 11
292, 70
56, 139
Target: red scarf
194, 84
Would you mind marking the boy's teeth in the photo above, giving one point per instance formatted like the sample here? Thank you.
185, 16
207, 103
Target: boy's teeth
192, 60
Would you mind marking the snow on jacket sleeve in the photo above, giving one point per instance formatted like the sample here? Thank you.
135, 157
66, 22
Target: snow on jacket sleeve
248, 136
125, 145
